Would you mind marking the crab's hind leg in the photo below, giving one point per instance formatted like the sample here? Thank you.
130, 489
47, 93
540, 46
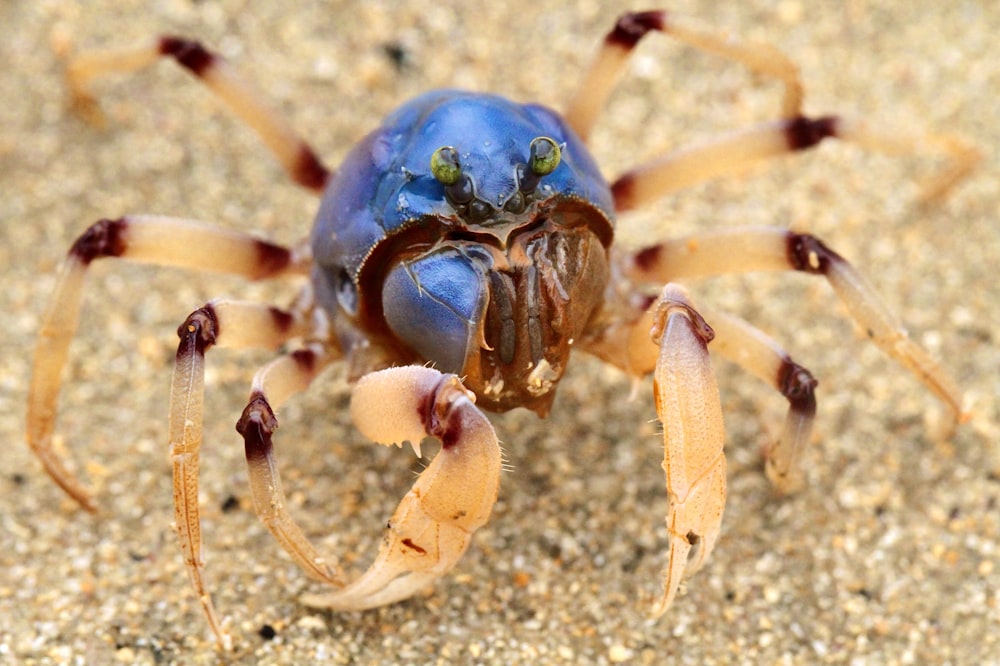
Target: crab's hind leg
751, 249
756, 352
733, 153
164, 241
609, 62
272, 386
434, 523
294, 154
688, 406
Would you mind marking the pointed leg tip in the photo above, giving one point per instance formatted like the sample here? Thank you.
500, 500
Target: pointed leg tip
218, 626
663, 604
315, 600
784, 483
76, 492
224, 643
336, 600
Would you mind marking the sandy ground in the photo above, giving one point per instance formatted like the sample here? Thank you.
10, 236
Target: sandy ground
889, 556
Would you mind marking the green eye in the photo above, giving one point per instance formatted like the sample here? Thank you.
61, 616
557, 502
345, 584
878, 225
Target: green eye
545, 156
445, 166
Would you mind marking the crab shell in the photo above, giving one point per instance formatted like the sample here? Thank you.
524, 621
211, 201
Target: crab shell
495, 289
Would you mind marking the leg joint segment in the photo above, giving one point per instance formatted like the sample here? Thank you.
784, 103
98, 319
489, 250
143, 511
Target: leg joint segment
188, 53
798, 385
104, 238
439, 412
633, 26
809, 254
802, 133
199, 331
256, 425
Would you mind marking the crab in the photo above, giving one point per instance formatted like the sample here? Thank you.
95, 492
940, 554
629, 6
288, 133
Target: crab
461, 251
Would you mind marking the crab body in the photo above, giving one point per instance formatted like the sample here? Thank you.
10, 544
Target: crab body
493, 283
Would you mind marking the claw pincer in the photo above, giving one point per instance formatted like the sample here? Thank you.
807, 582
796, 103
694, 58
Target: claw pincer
452, 498
687, 404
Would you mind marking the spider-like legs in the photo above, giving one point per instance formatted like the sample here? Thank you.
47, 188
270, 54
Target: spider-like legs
294, 154
624, 344
272, 386
142, 238
757, 353
610, 60
694, 462
771, 248
692, 431
433, 525
219, 323
733, 153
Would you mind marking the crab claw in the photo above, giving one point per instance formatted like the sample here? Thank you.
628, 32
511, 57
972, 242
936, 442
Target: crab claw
452, 498
687, 403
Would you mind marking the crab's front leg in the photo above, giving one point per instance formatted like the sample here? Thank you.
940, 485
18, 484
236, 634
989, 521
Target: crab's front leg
687, 403
433, 525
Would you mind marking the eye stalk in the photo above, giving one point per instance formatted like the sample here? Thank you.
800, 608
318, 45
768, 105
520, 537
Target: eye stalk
544, 156
445, 166
447, 170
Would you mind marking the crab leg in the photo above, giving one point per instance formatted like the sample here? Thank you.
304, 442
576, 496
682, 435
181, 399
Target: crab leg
294, 154
734, 153
771, 248
452, 498
608, 64
219, 323
143, 238
750, 348
687, 404
756, 352
272, 386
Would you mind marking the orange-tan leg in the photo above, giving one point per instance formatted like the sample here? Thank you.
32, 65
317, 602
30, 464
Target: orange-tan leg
609, 63
146, 239
688, 406
248, 103
771, 248
733, 153
755, 352
272, 386
221, 323
759, 354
